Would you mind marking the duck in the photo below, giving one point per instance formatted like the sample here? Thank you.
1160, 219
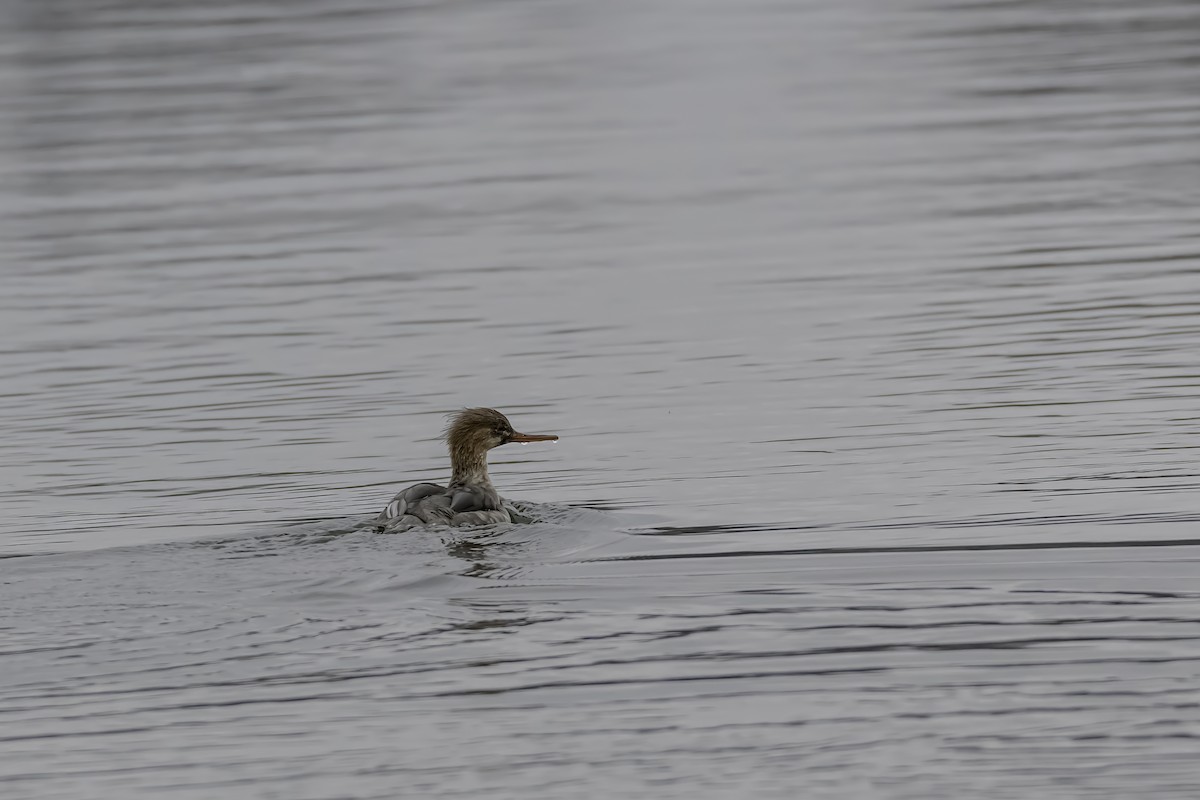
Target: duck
469, 498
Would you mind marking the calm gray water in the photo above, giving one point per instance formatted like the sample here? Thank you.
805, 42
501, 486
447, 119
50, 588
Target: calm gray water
871, 328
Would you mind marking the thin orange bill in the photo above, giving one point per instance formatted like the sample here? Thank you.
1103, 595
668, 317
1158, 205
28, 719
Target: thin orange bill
533, 437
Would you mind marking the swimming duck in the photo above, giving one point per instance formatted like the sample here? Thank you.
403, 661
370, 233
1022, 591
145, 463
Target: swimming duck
470, 498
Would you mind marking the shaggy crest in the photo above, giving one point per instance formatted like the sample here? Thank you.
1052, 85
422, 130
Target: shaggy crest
469, 435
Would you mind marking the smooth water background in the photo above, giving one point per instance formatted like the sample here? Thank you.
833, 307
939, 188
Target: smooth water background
870, 329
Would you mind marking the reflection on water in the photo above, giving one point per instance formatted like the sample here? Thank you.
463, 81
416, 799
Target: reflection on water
870, 329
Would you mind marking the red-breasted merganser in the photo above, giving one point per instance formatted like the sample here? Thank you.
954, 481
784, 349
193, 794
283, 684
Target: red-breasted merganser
470, 499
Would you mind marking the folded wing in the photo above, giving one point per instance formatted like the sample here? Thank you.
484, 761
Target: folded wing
429, 503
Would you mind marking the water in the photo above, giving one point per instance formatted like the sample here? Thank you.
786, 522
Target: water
870, 330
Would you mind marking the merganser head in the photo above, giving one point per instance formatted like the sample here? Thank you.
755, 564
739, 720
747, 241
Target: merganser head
477, 430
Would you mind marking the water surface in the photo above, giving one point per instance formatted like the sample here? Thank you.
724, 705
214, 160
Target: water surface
870, 330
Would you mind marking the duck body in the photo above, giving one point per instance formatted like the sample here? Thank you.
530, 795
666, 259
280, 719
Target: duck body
469, 498
431, 504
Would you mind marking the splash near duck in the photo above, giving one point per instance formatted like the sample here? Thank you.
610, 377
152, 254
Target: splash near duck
470, 498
